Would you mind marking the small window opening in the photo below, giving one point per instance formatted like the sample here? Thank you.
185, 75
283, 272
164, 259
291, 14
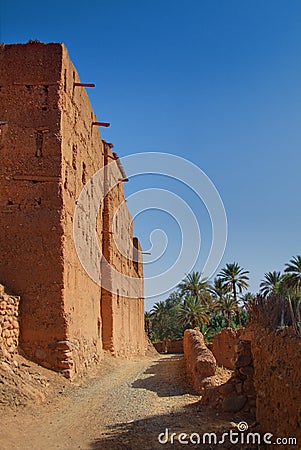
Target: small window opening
65, 80
39, 144
84, 174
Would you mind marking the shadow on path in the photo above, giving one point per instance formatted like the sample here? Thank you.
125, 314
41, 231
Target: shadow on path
166, 378
143, 434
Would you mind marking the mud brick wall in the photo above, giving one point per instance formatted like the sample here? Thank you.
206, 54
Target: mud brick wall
123, 316
81, 157
49, 150
266, 380
30, 194
9, 324
159, 347
277, 365
223, 347
169, 346
199, 360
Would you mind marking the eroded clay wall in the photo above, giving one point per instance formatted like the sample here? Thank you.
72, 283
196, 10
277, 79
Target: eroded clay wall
169, 346
30, 194
82, 157
199, 360
50, 148
9, 324
277, 364
122, 299
109, 316
223, 347
266, 381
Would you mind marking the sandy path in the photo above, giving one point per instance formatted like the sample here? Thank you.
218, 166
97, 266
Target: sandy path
125, 407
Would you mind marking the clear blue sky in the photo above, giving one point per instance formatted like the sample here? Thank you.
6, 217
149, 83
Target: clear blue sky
216, 82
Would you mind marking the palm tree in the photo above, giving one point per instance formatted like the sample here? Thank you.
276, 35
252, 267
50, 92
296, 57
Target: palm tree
193, 313
228, 307
215, 325
160, 316
272, 284
235, 278
247, 298
219, 288
159, 309
148, 319
195, 286
173, 300
293, 270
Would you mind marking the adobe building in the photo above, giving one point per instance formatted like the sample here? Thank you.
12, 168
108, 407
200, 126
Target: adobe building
50, 147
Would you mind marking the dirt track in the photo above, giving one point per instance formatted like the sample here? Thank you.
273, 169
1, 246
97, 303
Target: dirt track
125, 407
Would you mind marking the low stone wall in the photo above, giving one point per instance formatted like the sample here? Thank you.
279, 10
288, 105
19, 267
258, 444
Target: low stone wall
169, 346
277, 364
223, 347
199, 360
9, 325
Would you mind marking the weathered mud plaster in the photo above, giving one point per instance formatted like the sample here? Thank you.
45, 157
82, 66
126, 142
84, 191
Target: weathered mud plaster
49, 149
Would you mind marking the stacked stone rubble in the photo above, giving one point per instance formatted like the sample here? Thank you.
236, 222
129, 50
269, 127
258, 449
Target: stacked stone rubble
239, 393
9, 325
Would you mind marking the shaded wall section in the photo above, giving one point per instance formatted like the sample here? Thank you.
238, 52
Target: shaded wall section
122, 298
169, 346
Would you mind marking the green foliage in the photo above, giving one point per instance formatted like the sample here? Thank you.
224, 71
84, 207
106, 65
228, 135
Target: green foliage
228, 307
195, 286
243, 317
293, 271
197, 303
246, 298
192, 312
216, 324
219, 289
163, 319
273, 283
279, 302
236, 278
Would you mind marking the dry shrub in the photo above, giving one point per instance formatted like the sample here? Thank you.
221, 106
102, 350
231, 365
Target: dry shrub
275, 311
